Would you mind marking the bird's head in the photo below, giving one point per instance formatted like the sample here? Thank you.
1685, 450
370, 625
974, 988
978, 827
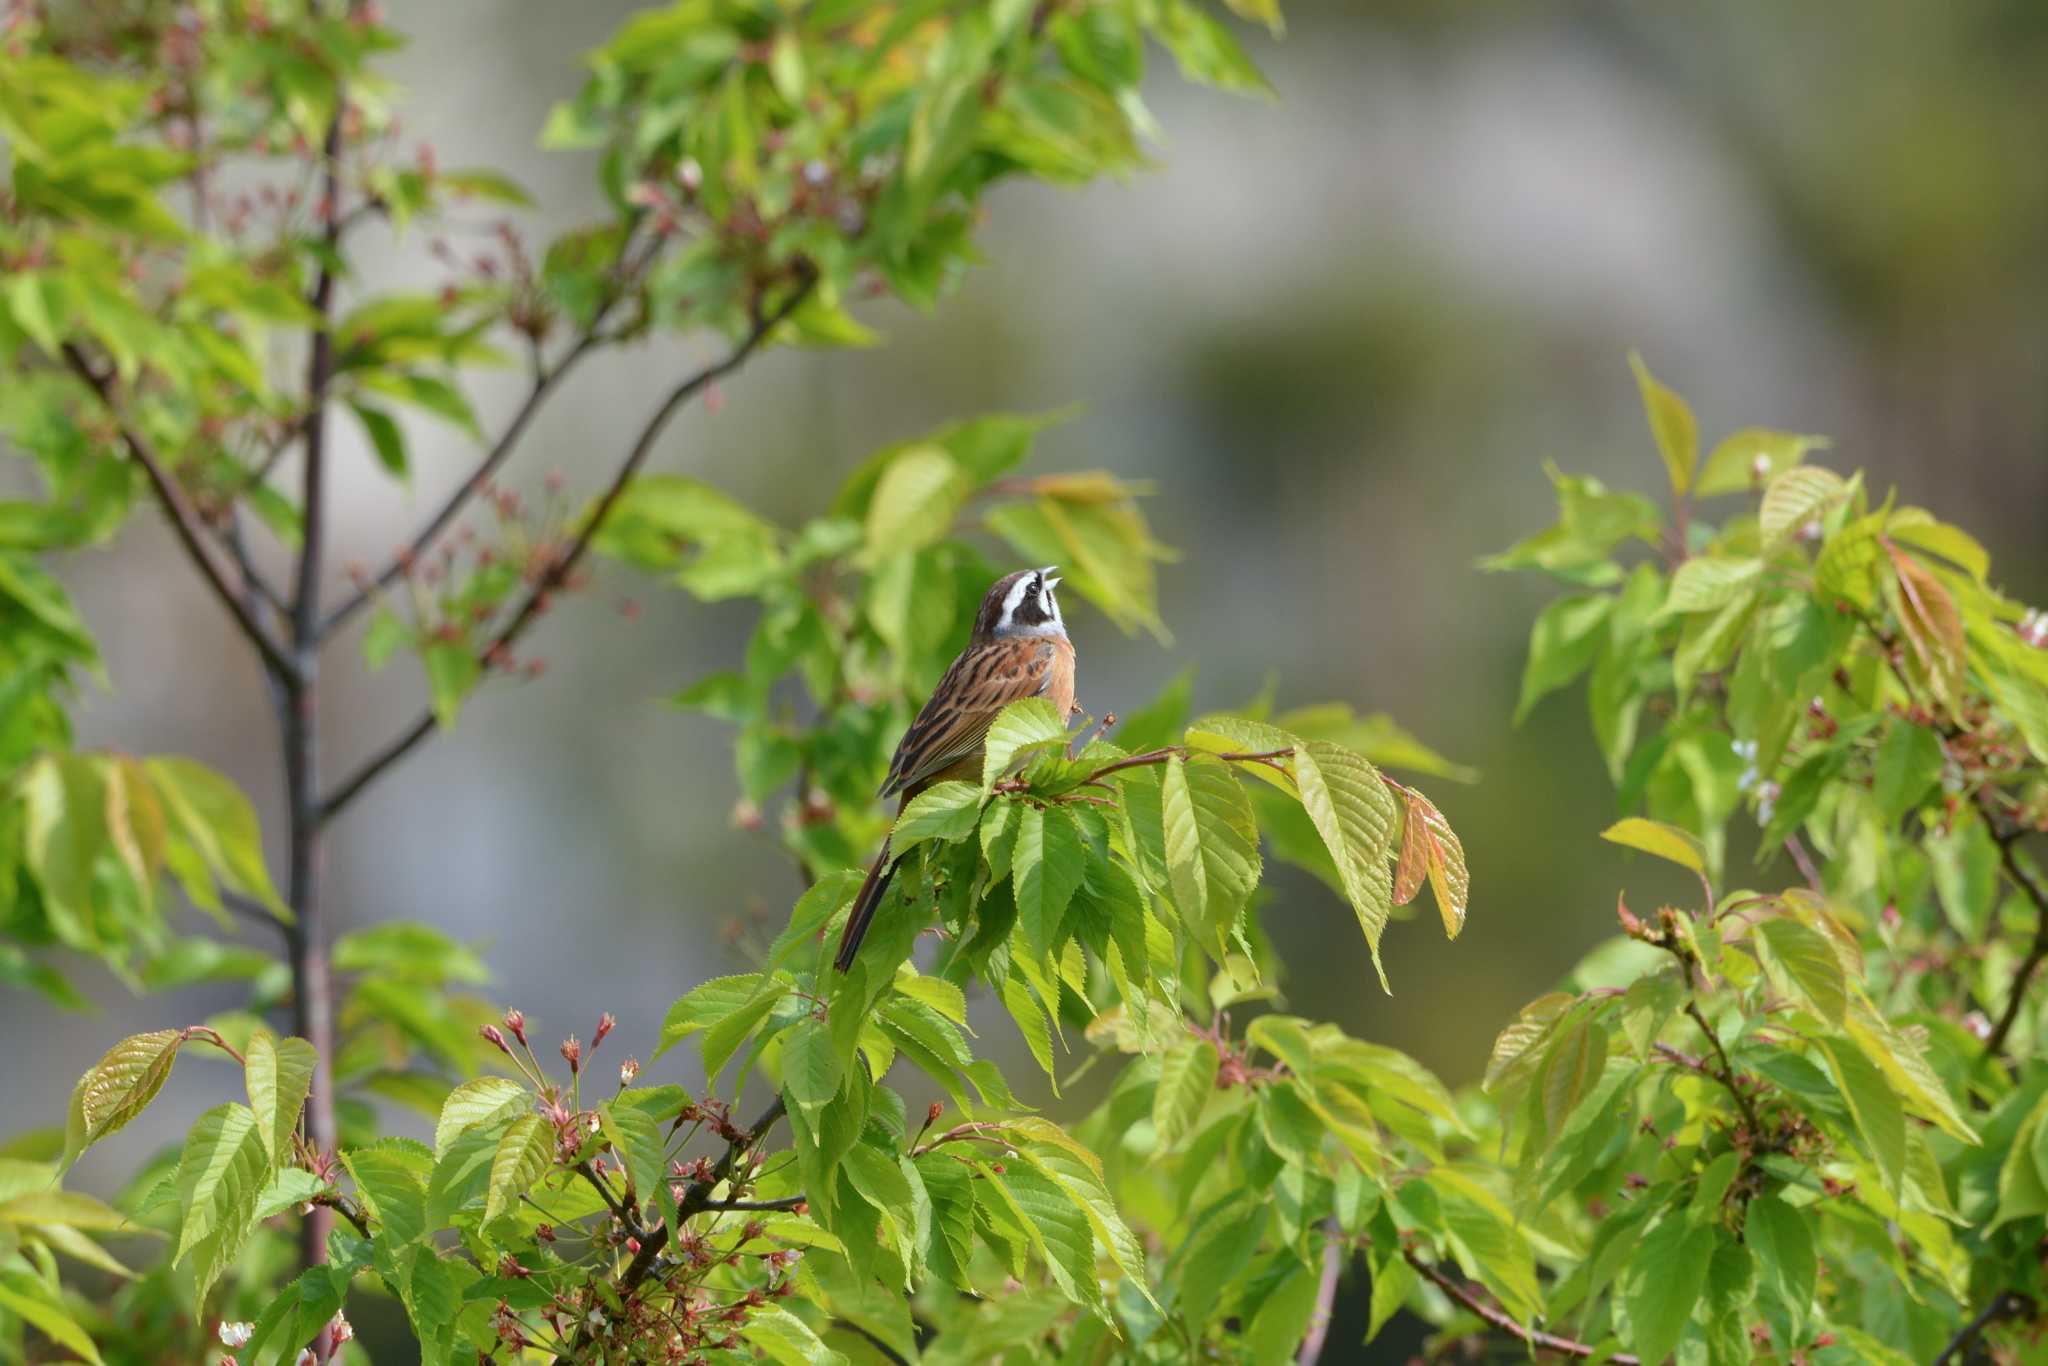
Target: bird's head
1021, 604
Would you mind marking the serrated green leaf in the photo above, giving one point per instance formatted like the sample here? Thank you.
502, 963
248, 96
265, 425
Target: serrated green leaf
1656, 837
525, 1152
222, 1171
479, 1101
1563, 642
1671, 423
1804, 966
1047, 865
810, 1065
1666, 1276
1020, 728
1355, 814
1795, 498
1789, 1268
944, 811
280, 1076
1187, 1077
118, 1088
1750, 458
1707, 583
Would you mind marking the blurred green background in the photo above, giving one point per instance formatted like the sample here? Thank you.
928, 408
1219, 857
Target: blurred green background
1340, 330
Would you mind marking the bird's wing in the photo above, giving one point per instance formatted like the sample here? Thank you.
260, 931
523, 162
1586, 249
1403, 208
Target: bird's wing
955, 721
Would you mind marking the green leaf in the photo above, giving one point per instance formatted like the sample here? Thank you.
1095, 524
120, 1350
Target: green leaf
1047, 865
117, 1088
1909, 762
1283, 1318
1571, 1069
1563, 642
1020, 728
1804, 966
810, 1065
27, 1295
636, 1135
1032, 1022
1655, 837
1057, 1228
914, 502
1879, 1116
222, 1172
944, 811
1667, 1274
524, 1154
480, 1101
1355, 814
1782, 1240
1904, 1066
280, 1076
1672, 424
1750, 458
1707, 583
208, 810
785, 1338
436, 396
1187, 1076
385, 438
1795, 498
453, 671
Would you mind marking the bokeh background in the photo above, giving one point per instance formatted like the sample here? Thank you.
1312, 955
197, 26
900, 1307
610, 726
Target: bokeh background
1341, 330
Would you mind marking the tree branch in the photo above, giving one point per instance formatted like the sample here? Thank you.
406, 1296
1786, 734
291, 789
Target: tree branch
2004, 1305
543, 384
1726, 1076
1994, 1042
787, 1202
185, 519
537, 596
696, 1199
1499, 1318
1326, 1297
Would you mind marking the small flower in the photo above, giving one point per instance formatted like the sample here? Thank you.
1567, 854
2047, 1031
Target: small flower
340, 1330
494, 1038
306, 1358
236, 1334
572, 1053
1766, 802
515, 1024
628, 1070
605, 1024
690, 175
2033, 628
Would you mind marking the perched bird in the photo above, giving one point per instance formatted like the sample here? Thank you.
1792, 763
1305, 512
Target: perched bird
1019, 649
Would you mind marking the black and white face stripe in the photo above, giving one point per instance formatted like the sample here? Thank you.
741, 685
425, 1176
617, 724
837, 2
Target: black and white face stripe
1030, 608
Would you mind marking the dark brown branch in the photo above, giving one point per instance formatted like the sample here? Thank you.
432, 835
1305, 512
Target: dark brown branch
787, 1202
1726, 1073
696, 1200
256, 588
1501, 1319
185, 519
1994, 1042
345, 1210
612, 1202
537, 596
2004, 1305
416, 549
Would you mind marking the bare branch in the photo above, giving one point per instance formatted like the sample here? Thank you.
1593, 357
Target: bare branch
544, 383
1501, 1319
535, 601
185, 520
2006, 1304
787, 1202
2023, 976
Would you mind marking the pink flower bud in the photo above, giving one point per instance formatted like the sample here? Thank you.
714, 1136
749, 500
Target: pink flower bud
572, 1053
515, 1020
605, 1024
496, 1040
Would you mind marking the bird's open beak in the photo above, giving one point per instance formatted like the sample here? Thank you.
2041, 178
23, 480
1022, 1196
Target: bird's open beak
1048, 573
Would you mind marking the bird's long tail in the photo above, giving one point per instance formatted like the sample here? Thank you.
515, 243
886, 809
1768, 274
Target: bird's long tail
863, 912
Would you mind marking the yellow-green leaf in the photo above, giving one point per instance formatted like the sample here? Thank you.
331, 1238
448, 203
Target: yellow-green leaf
1671, 423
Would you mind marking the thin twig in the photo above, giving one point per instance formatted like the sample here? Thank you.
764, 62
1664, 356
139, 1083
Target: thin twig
342, 1207
1726, 1076
696, 1199
1501, 1319
787, 1202
185, 519
416, 549
537, 597
1994, 1042
612, 1202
